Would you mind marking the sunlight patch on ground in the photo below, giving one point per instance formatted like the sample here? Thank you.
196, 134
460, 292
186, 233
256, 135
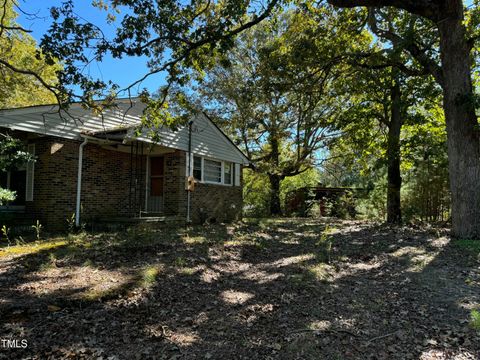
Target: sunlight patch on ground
440, 242
264, 236
365, 266
283, 230
99, 283
290, 241
209, 276
420, 262
194, 239
186, 270
181, 338
436, 354
321, 271
261, 277
320, 325
32, 248
292, 260
408, 251
184, 338
149, 275
468, 304
235, 297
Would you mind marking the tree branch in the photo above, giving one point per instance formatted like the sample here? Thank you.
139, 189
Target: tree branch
426, 8
423, 59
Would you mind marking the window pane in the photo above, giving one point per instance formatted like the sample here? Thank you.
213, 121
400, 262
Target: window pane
227, 175
197, 167
3, 179
213, 171
18, 183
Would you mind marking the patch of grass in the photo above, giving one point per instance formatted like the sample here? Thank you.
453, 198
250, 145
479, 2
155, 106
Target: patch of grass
471, 246
261, 244
145, 278
149, 276
320, 272
475, 319
187, 271
187, 239
325, 243
88, 263
106, 294
32, 248
50, 264
180, 262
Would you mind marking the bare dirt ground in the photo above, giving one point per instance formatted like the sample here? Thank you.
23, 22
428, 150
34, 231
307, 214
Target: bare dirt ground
272, 289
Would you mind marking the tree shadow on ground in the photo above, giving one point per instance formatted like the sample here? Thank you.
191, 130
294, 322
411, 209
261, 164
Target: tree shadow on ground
265, 289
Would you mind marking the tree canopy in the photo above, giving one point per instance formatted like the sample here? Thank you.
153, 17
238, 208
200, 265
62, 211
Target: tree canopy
19, 57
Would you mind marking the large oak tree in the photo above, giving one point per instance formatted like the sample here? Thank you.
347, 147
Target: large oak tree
455, 77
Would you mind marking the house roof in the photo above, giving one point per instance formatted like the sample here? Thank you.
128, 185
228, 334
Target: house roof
207, 139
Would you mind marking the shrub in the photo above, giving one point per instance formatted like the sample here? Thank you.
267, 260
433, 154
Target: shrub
6, 196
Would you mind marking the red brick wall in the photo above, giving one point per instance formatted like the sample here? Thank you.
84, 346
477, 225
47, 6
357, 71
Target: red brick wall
216, 203
106, 181
209, 201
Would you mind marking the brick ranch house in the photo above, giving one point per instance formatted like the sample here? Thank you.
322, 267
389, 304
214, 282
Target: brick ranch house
98, 169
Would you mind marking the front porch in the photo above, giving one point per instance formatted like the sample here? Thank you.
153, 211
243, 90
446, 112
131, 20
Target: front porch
153, 187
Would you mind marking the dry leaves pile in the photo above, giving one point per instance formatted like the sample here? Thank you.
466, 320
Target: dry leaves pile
260, 290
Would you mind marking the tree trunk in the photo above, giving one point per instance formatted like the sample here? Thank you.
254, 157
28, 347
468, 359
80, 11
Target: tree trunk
274, 177
394, 213
462, 124
275, 207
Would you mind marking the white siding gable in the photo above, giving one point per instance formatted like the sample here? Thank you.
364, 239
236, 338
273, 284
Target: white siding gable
207, 140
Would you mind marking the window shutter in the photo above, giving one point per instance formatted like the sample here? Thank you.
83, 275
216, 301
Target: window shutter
237, 174
30, 174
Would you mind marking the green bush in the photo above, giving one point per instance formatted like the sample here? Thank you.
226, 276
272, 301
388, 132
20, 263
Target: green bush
6, 196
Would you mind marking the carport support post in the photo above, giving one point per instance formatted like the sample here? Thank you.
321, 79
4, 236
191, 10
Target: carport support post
79, 181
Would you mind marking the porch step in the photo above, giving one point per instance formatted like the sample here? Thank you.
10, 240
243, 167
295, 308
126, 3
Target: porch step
121, 223
146, 219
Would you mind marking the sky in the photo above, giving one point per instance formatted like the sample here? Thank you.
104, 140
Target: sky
121, 71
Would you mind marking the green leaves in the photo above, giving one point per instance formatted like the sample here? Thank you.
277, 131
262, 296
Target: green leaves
20, 60
12, 153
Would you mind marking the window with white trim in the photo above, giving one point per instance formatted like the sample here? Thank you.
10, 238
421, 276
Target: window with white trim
227, 173
212, 171
20, 180
197, 168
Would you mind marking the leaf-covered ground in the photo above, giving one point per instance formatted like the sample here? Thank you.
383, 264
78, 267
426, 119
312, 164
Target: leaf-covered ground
271, 289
